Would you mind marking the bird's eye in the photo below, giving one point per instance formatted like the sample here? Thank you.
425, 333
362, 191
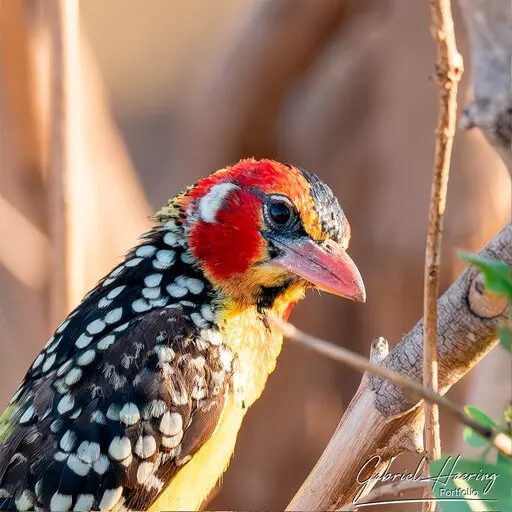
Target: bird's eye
280, 211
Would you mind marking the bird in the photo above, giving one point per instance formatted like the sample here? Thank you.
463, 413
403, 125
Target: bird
136, 400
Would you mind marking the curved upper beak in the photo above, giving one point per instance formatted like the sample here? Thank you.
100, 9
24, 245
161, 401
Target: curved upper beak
324, 264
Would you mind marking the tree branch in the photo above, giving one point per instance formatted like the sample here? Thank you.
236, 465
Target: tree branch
489, 26
414, 388
449, 71
383, 420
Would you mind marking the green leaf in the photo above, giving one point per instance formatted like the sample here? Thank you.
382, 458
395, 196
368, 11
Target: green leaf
483, 486
497, 274
503, 460
505, 335
470, 436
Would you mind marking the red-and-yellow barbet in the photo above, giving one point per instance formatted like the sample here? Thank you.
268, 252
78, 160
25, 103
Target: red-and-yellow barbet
136, 401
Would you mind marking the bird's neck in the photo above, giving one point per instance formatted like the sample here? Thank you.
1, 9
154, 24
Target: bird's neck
250, 334
244, 327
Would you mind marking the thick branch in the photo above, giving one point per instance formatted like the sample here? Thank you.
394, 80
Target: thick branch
382, 420
489, 25
468, 316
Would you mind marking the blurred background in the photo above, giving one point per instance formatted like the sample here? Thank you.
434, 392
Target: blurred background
161, 93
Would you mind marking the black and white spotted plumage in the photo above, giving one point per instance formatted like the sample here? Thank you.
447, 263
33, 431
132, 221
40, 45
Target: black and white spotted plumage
132, 383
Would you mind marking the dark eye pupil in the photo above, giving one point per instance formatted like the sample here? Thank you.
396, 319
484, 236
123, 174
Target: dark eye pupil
279, 212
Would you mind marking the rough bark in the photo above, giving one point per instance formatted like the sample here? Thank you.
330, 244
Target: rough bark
489, 26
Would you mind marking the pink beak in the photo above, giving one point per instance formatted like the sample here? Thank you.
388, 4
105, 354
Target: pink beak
326, 265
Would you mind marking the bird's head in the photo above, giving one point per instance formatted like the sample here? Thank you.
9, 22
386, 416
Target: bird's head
262, 231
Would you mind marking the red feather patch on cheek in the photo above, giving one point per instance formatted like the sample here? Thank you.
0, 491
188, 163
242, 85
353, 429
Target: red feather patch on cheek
233, 243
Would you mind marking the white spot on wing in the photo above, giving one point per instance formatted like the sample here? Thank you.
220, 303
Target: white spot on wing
62, 326
145, 446
64, 368
159, 303
141, 305
105, 342
116, 271
120, 448
25, 500
16, 395
73, 376
176, 291
187, 258
53, 346
211, 202
101, 465
49, 342
84, 502
86, 358
171, 423
77, 466
113, 412
104, 302
207, 312
110, 498
67, 441
61, 502
129, 414
98, 417
173, 441
164, 262
88, 451
145, 250
198, 320
184, 460
67, 402
153, 280
38, 361
83, 341
170, 239
151, 293
112, 294
96, 326
144, 471
114, 316
60, 456
157, 408
27, 415
49, 363
133, 262
196, 286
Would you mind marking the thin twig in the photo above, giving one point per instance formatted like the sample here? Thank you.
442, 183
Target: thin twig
501, 441
449, 70
394, 489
